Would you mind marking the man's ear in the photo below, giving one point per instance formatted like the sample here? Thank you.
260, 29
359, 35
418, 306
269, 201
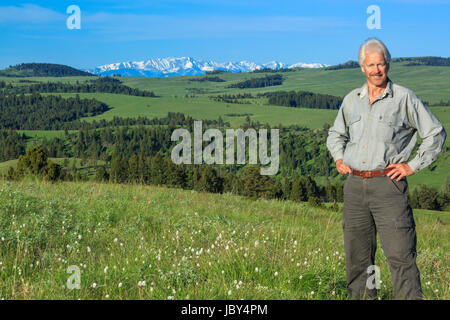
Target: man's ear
362, 69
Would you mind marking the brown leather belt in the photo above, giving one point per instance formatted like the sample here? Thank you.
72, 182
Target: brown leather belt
370, 174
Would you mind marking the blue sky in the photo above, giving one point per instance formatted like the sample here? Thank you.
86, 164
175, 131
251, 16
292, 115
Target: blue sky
324, 31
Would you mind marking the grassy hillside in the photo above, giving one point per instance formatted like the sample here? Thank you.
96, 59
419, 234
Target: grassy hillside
204, 108
184, 245
429, 82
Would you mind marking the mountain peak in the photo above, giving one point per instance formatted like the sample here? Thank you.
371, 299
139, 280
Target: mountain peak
180, 66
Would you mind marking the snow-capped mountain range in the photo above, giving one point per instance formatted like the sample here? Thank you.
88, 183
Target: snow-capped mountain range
181, 66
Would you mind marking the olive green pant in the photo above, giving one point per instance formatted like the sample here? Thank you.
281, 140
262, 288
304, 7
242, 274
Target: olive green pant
379, 205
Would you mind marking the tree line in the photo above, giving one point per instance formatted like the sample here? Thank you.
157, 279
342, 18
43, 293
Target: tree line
303, 99
203, 79
12, 144
269, 70
346, 65
217, 71
441, 103
269, 80
427, 61
103, 84
37, 112
233, 98
156, 170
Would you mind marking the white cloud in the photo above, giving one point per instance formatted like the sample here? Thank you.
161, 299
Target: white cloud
29, 13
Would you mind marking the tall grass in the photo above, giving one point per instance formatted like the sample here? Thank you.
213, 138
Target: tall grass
145, 242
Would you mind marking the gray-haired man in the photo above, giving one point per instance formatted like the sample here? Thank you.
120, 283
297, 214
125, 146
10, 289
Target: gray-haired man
372, 139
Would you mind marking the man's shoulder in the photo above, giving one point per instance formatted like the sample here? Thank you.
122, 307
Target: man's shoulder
401, 91
353, 94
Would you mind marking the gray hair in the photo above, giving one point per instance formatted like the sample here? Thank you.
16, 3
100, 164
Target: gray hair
371, 45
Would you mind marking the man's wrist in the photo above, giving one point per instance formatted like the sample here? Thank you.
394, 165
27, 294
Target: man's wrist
414, 164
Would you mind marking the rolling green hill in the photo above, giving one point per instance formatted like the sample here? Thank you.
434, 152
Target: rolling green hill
430, 83
41, 70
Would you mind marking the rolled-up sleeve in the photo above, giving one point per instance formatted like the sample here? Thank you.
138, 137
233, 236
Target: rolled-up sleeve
338, 135
429, 129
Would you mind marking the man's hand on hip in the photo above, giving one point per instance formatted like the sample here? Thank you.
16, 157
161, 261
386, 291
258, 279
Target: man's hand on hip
342, 168
400, 170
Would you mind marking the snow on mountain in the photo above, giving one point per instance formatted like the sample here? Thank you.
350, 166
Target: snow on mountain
307, 65
181, 66
274, 65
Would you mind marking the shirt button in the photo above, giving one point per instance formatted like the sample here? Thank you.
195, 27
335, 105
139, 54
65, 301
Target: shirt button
363, 162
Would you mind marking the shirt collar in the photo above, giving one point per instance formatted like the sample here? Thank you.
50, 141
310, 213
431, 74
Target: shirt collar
388, 91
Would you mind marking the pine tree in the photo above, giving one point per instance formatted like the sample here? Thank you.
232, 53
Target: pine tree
54, 171
298, 190
207, 179
157, 170
255, 184
34, 161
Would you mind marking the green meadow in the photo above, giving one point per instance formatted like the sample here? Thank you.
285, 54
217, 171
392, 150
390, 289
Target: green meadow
205, 108
147, 242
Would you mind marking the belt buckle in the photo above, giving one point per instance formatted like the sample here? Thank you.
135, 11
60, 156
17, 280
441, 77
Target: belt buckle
367, 174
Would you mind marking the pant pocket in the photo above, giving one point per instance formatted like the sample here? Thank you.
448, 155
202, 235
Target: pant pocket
399, 186
404, 222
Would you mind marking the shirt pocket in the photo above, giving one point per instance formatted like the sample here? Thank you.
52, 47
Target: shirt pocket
355, 127
388, 128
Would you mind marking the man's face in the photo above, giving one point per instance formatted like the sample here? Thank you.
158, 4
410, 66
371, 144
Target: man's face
375, 68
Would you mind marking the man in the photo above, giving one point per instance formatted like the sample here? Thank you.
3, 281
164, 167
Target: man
371, 140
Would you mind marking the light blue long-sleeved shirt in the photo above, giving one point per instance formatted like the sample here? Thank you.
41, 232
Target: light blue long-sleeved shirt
371, 136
